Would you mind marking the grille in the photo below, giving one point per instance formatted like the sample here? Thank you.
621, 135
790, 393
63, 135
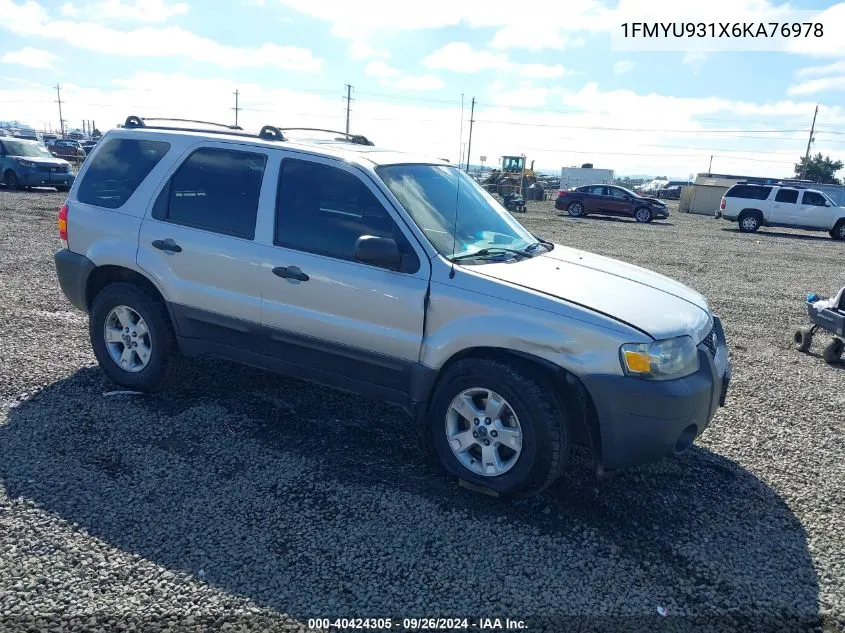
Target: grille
710, 341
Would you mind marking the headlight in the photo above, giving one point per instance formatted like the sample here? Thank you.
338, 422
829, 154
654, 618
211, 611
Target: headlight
660, 360
25, 163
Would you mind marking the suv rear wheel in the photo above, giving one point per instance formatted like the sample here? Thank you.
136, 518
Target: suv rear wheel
575, 209
132, 337
496, 425
838, 231
749, 221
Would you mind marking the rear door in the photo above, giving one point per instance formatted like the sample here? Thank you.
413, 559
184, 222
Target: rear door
814, 211
595, 198
341, 316
197, 241
784, 207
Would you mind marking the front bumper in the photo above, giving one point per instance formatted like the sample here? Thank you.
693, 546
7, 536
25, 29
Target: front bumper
38, 178
643, 420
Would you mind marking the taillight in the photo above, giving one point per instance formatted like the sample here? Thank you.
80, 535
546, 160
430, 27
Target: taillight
63, 224
561, 193
722, 205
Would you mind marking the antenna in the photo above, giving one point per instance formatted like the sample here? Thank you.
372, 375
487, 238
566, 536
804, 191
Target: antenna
455, 226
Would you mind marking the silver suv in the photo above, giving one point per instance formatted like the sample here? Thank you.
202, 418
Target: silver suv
391, 275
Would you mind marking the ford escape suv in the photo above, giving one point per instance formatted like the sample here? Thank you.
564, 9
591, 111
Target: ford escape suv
391, 275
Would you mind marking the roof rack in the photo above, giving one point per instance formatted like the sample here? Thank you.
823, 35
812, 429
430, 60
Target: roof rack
352, 138
268, 132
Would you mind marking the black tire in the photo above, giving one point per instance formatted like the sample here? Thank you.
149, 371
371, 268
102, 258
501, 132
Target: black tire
832, 353
10, 179
803, 340
164, 359
545, 449
576, 209
838, 231
749, 221
643, 214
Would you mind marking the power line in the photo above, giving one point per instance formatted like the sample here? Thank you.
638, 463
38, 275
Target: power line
624, 129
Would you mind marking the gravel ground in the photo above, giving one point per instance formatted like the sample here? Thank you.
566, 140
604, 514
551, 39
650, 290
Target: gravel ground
245, 501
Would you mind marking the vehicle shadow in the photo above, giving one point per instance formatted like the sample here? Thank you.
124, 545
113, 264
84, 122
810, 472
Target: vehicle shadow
821, 237
314, 502
615, 218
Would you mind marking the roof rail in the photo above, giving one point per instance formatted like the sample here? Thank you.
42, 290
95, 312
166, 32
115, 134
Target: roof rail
353, 138
267, 133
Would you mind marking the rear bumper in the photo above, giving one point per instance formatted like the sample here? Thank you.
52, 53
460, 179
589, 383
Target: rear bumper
33, 178
73, 271
642, 421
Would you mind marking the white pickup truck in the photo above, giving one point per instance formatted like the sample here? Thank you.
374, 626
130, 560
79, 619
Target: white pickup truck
753, 206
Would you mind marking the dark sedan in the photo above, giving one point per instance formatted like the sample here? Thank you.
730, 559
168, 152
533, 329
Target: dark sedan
610, 200
69, 149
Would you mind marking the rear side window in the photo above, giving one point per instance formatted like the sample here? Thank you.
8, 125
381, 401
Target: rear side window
814, 198
748, 191
790, 196
215, 190
118, 169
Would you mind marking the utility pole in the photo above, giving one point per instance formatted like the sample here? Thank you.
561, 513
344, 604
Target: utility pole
809, 142
348, 103
236, 108
471, 121
61, 120
710, 168
461, 134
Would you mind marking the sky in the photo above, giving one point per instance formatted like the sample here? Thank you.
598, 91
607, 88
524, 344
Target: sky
555, 81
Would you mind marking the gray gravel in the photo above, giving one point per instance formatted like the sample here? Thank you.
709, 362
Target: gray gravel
246, 501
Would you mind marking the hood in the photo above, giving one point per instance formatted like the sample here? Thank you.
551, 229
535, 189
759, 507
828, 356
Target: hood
656, 201
43, 160
648, 301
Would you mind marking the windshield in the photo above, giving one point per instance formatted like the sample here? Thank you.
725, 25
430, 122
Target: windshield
29, 149
430, 195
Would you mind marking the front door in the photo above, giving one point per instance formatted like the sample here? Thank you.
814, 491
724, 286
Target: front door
814, 211
617, 202
323, 308
197, 242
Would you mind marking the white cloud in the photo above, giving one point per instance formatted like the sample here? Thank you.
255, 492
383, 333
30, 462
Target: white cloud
460, 57
69, 10
420, 82
137, 10
31, 20
534, 36
815, 71
380, 69
359, 49
694, 59
623, 66
32, 57
822, 84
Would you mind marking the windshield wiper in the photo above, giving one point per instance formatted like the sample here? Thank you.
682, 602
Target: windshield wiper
489, 252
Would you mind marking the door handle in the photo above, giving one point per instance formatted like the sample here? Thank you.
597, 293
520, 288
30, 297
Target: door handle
167, 245
290, 272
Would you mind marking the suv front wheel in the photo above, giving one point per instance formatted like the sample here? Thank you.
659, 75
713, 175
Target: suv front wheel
495, 425
132, 337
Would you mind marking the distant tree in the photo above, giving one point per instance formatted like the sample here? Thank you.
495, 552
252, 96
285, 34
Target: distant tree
587, 166
820, 169
96, 133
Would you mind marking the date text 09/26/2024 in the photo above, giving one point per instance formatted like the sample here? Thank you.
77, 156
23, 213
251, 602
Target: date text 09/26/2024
417, 624
722, 29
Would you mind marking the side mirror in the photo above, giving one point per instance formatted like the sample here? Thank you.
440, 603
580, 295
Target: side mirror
378, 251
